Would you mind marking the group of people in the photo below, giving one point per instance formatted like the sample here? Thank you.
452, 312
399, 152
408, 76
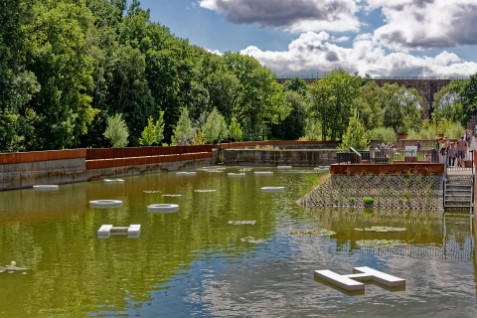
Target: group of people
454, 150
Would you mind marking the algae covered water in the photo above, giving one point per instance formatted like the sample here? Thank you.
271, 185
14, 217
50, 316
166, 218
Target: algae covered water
231, 250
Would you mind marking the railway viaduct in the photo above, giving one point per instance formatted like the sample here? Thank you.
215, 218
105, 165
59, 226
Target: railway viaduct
426, 87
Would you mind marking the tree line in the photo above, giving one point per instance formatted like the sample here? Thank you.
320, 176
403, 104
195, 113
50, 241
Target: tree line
96, 73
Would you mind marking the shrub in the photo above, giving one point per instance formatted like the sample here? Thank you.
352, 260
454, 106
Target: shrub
368, 201
117, 131
383, 134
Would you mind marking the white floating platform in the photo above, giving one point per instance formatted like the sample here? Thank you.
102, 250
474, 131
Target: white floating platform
205, 190
163, 208
133, 231
103, 204
46, 187
339, 280
240, 174
284, 167
186, 173
272, 189
353, 282
113, 180
243, 222
379, 277
263, 173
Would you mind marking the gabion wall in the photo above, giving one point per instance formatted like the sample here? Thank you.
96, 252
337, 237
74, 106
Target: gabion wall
406, 191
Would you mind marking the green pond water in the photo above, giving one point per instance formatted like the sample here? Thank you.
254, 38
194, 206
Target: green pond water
231, 250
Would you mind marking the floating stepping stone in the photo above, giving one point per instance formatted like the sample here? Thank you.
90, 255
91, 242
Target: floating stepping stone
46, 187
263, 173
240, 174
113, 180
151, 191
172, 195
352, 282
284, 167
185, 173
163, 208
243, 222
272, 189
133, 231
103, 204
205, 190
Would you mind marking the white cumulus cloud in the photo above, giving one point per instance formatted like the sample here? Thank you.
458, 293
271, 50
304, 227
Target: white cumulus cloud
313, 53
291, 15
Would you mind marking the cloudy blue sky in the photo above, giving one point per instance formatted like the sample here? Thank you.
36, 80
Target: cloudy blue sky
382, 38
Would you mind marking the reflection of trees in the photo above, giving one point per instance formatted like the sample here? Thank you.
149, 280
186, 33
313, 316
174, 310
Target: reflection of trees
427, 234
72, 272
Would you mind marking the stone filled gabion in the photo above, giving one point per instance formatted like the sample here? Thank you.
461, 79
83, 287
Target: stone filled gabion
406, 191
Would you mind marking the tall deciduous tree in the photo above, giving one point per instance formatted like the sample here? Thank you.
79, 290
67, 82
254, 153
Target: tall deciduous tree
469, 99
60, 57
356, 135
333, 96
183, 131
117, 131
215, 127
261, 101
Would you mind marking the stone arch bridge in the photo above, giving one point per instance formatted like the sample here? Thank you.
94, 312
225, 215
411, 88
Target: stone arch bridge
427, 88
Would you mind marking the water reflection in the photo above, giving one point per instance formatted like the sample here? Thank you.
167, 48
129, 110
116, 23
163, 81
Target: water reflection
206, 261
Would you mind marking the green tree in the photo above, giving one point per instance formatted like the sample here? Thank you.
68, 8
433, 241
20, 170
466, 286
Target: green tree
149, 134
261, 101
129, 92
333, 96
293, 126
183, 132
401, 107
215, 127
235, 131
160, 128
296, 85
369, 109
117, 131
447, 103
356, 135
60, 56
469, 99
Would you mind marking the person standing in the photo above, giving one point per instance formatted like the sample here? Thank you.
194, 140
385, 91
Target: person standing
452, 154
468, 137
461, 151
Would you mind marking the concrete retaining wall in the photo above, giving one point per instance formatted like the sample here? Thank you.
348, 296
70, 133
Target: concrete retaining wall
295, 157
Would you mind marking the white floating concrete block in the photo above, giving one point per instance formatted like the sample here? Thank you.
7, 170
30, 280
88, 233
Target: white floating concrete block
272, 189
243, 222
379, 277
163, 208
353, 282
186, 173
46, 187
113, 181
134, 230
205, 190
339, 280
263, 173
105, 231
104, 204
284, 167
240, 174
